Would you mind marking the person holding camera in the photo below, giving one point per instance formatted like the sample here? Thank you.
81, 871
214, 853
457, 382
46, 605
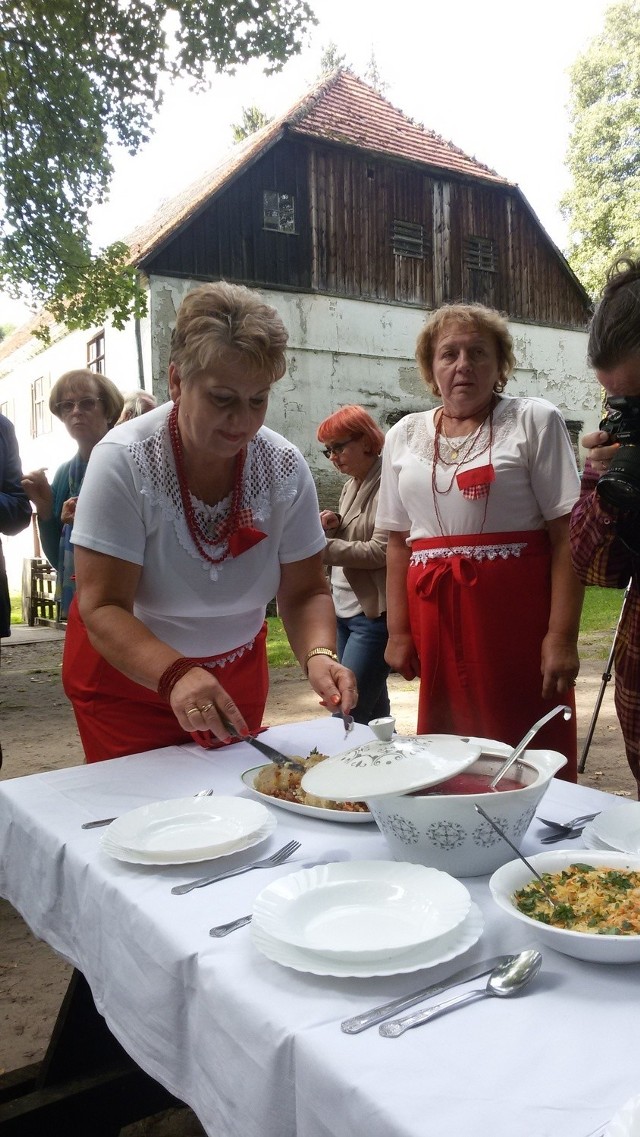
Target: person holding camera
605, 522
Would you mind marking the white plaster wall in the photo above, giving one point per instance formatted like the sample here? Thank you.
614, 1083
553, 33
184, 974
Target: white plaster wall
35, 360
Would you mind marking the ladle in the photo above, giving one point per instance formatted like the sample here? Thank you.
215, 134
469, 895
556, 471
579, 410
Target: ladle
505, 979
522, 746
517, 852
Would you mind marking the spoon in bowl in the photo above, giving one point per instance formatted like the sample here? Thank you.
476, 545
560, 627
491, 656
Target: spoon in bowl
522, 746
506, 979
516, 850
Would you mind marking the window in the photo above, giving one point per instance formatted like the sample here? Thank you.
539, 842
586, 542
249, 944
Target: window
95, 354
40, 413
279, 211
409, 239
481, 253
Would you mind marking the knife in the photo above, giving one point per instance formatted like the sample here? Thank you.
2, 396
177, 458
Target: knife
268, 751
386, 1010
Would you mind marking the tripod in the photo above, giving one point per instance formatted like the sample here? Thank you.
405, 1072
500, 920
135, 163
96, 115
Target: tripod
605, 679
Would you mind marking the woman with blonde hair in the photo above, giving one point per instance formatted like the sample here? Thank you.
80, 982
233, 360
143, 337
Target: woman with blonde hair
356, 553
89, 405
483, 603
192, 518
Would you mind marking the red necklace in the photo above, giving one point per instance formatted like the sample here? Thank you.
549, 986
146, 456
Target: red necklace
237, 531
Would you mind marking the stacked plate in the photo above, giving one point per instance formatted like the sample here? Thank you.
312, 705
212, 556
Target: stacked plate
616, 829
364, 918
187, 829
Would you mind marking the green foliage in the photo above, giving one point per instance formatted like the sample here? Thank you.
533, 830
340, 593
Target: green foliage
373, 77
78, 76
331, 59
603, 204
252, 119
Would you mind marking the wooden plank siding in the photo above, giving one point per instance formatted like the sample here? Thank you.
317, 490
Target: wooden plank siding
346, 202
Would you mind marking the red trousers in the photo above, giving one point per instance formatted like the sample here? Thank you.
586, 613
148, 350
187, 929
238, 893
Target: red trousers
116, 716
478, 619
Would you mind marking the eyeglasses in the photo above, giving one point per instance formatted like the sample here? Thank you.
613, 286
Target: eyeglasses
337, 447
66, 406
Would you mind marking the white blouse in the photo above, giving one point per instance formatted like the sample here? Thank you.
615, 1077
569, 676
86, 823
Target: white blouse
130, 508
536, 476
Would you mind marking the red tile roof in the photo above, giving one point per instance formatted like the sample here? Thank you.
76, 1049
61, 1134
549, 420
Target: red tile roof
340, 108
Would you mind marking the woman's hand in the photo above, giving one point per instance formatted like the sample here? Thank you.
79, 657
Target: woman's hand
599, 450
200, 702
68, 511
329, 519
401, 655
335, 684
38, 490
559, 666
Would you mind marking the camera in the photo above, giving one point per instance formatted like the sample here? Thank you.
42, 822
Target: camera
620, 485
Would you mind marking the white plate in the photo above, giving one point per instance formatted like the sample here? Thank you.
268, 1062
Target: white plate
590, 841
400, 766
430, 954
362, 910
343, 815
582, 945
134, 858
187, 828
619, 828
626, 1122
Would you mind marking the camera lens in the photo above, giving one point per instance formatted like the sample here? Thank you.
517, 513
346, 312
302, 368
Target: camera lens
620, 485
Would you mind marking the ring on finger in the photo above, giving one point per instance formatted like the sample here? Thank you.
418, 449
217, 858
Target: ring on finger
207, 707
192, 711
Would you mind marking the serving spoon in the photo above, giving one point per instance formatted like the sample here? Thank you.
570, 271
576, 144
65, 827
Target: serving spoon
505, 980
522, 746
516, 850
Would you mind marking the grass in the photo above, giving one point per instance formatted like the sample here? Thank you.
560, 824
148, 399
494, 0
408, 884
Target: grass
599, 614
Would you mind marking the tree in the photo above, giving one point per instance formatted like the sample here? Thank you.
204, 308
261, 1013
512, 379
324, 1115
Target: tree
252, 119
373, 76
331, 59
603, 203
77, 77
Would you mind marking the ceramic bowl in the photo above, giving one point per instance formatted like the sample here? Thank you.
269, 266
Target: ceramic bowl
582, 945
444, 831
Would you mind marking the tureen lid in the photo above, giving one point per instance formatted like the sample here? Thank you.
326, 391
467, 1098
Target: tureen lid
412, 762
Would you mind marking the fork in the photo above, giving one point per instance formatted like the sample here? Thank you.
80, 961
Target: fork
277, 858
567, 826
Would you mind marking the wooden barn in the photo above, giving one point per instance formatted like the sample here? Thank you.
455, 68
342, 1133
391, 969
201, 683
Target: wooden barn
352, 220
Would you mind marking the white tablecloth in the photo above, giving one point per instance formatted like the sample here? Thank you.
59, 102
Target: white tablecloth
255, 1048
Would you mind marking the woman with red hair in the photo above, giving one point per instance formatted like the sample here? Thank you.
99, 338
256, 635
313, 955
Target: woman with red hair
356, 552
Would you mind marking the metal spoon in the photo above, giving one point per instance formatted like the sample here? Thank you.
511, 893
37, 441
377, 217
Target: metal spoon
517, 852
506, 979
522, 746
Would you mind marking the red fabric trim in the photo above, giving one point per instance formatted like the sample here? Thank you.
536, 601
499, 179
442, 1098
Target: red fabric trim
116, 716
478, 626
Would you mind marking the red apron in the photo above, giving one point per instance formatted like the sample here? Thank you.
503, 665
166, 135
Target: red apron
479, 609
116, 716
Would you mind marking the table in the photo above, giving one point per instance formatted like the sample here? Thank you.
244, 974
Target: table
256, 1049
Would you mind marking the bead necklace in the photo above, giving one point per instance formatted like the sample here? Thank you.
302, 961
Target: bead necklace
237, 531
473, 450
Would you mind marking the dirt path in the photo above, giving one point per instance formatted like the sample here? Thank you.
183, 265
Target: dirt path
37, 732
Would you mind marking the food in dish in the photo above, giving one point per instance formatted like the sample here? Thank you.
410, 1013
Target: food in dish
284, 783
471, 783
603, 900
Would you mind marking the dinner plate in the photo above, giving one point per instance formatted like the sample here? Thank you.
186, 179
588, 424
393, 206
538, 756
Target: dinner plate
618, 828
363, 910
120, 853
187, 829
403, 765
590, 841
447, 947
341, 815
626, 1122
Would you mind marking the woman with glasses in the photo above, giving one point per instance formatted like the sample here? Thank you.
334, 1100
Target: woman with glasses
88, 404
356, 553
192, 518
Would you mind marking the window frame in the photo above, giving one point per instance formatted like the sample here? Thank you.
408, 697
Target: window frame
278, 208
96, 359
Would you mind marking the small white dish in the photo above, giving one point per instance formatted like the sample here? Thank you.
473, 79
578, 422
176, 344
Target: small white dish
187, 828
430, 954
404, 764
321, 814
362, 910
582, 945
618, 828
186, 857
